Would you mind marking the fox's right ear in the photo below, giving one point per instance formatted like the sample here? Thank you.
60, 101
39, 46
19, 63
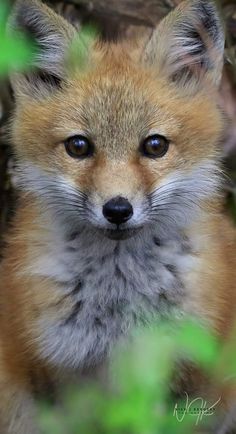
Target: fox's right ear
188, 45
52, 35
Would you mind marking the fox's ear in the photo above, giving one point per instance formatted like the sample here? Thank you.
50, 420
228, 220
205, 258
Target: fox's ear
188, 45
52, 35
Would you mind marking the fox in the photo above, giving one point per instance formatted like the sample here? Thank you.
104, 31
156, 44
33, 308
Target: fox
120, 216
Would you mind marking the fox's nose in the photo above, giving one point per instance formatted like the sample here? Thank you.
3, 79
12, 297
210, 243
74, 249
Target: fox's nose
118, 210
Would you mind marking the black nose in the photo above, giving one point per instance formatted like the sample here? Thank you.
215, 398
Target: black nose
118, 210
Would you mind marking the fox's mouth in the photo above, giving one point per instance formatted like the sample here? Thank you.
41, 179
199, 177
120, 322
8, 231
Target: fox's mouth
121, 234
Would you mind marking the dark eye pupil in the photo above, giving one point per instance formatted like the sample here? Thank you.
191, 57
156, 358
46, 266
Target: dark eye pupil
79, 147
155, 146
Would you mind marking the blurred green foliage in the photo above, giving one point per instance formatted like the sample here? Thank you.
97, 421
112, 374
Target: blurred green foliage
16, 52
80, 49
136, 399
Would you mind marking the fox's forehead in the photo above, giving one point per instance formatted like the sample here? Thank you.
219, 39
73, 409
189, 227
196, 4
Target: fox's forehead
114, 107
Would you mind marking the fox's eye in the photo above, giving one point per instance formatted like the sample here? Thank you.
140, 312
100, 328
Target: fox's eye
79, 147
154, 146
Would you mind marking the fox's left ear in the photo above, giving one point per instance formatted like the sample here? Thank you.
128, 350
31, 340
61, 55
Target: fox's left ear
188, 45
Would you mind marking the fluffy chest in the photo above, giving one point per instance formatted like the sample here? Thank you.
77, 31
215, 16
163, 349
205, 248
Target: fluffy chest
112, 286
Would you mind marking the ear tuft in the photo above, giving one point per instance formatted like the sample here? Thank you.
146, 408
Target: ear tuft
188, 45
209, 17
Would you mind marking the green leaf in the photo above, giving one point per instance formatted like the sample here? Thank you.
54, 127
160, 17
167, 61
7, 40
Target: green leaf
16, 52
198, 343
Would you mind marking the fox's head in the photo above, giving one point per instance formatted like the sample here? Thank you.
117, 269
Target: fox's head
119, 139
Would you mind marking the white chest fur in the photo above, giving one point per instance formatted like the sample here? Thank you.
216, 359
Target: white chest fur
114, 285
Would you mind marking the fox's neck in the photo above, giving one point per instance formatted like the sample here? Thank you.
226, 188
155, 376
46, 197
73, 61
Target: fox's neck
112, 284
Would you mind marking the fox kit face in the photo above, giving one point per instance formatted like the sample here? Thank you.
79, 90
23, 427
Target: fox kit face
129, 139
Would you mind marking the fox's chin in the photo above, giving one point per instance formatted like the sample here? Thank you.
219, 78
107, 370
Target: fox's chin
121, 234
